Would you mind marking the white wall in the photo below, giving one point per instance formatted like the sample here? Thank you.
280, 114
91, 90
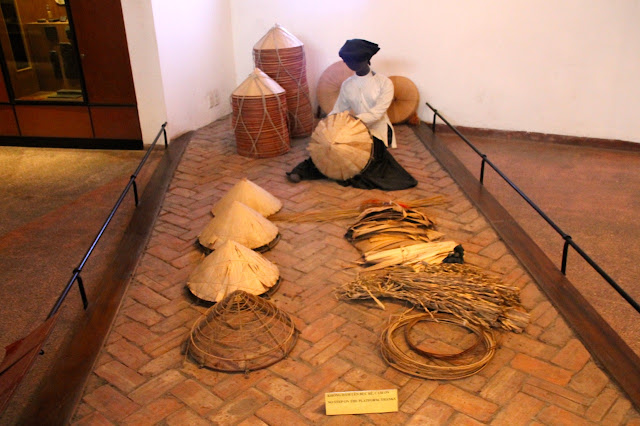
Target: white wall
143, 53
567, 67
196, 58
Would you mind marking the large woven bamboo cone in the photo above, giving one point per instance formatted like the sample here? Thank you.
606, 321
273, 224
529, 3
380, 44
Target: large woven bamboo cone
281, 55
251, 195
229, 268
329, 85
241, 224
260, 117
405, 100
340, 146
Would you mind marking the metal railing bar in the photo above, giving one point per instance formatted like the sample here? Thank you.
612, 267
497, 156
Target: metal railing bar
76, 272
568, 241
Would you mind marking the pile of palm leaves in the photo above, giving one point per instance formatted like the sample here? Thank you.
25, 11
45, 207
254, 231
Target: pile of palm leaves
395, 235
461, 290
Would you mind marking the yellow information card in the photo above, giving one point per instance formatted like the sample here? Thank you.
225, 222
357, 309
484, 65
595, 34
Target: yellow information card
361, 402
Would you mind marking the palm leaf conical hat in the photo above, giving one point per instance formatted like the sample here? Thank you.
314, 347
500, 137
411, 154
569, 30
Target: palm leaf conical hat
251, 195
232, 267
241, 224
340, 146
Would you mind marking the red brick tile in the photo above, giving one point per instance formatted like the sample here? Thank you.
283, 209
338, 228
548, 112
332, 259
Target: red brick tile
252, 421
431, 413
292, 370
321, 327
411, 402
284, 391
163, 362
153, 412
275, 413
128, 354
93, 419
526, 345
186, 417
142, 314
240, 408
166, 342
325, 348
156, 387
111, 403
197, 397
180, 319
573, 356
465, 402
557, 416
520, 410
503, 386
326, 374
231, 385
364, 380
619, 412
541, 369
147, 296
135, 332
589, 381
601, 405
120, 376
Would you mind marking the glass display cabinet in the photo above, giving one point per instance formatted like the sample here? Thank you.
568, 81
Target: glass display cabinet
66, 76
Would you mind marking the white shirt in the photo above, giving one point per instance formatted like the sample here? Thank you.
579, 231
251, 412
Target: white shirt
368, 97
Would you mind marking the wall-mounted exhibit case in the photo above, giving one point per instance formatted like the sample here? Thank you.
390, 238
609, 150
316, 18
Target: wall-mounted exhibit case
66, 75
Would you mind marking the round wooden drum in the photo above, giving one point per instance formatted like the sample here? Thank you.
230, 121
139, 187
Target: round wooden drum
260, 117
281, 56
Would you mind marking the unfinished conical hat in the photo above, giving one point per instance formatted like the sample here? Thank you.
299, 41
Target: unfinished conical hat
277, 38
251, 195
340, 146
241, 224
405, 100
329, 84
229, 268
257, 84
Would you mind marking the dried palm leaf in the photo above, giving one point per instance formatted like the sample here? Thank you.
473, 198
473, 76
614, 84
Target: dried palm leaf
429, 253
229, 268
249, 194
462, 290
241, 224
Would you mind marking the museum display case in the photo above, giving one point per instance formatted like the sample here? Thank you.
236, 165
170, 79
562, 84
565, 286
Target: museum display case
66, 75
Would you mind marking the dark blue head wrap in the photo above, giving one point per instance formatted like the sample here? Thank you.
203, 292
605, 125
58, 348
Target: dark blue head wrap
358, 50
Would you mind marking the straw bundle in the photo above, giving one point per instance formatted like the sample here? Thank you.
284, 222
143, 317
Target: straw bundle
461, 290
407, 355
350, 213
281, 55
232, 267
418, 253
260, 117
241, 224
241, 333
251, 195
391, 226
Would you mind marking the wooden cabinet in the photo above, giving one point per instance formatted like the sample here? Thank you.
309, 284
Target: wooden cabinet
109, 108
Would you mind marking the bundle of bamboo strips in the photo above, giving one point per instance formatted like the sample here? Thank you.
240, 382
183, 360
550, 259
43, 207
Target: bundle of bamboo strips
404, 356
433, 252
462, 290
353, 212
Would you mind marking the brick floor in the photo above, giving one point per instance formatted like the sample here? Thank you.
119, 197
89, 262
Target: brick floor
542, 376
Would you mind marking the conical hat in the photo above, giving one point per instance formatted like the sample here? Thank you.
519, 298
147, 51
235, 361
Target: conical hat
232, 267
405, 100
329, 84
241, 224
258, 84
277, 38
340, 146
251, 195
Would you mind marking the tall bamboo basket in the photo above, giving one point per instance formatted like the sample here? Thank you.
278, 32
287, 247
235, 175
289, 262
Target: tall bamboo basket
281, 56
260, 117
